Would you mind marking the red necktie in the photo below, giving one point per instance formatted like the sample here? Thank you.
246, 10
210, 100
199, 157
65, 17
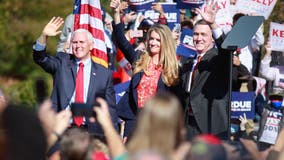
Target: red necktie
79, 92
190, 112
194, 69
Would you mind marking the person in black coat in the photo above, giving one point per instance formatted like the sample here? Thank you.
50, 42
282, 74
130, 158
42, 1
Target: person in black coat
206, 83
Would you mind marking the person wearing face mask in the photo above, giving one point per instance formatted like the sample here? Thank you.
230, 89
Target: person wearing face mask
271, 122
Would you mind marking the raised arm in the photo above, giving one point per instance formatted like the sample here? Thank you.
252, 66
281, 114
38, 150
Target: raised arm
54, 124
265, 70
115, 145
209, 14
118, 32
162, 18
47, 62
51, 29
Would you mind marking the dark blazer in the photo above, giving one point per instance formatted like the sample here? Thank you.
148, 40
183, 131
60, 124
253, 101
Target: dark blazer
63, 69
209, 95
127, 108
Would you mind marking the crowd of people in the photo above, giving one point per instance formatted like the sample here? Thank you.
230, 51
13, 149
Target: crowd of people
175, 107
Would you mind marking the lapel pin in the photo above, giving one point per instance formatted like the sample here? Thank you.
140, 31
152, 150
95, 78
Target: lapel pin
94, 74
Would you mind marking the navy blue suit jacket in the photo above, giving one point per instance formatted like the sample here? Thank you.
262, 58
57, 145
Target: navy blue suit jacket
63, 68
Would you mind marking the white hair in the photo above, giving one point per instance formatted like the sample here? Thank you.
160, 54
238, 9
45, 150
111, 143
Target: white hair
81, 30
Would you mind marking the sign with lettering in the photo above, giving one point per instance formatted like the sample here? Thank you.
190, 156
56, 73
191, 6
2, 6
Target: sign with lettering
140, 5
188, 4
242, 102
258, 7
120, 90
223, 16
186, 47
271, 128
276, 36
171, 13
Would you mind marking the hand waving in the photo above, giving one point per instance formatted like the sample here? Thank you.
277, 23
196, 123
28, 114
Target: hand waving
209, 12
51, 29
244, 121
115, 5
157, 7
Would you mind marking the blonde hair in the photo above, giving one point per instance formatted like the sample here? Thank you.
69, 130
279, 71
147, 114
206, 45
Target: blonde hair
159, 126
167, 56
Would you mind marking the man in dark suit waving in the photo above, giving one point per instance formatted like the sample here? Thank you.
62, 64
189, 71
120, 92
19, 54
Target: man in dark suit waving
206, 80
76, 78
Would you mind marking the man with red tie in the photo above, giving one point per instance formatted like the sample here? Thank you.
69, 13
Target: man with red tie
206, 80
76, 78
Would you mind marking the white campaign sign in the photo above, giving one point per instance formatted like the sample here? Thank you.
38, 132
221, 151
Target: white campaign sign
276, 36
258, 7
270, 131
223, 16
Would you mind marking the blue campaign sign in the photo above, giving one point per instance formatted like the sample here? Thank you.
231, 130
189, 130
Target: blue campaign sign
188, 4
120, 90
186, 47
242, 102
140, 5
171, 13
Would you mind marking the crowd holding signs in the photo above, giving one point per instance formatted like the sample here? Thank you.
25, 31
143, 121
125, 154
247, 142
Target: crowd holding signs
276, 35
241, 102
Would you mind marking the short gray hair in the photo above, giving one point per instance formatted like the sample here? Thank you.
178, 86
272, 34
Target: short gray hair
81, 30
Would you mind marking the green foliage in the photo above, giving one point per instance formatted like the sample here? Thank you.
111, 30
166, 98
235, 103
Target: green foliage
21, 22
20, 25
276, 16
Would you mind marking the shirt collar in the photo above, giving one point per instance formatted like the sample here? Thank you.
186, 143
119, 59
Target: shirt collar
85, 62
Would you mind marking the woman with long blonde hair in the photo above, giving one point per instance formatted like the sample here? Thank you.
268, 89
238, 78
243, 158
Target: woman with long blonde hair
160, 130
159, 126
155, 70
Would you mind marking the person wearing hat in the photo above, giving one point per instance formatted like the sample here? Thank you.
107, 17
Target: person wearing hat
271, 121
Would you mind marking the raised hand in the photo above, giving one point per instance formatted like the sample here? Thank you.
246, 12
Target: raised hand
209, 12
102, 112
115, 5
158, 7
51, 29
129, 17
54, 124
113, 140
268, 48
244, 121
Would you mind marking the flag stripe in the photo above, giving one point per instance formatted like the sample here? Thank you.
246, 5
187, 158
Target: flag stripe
95, 32
93, 3
93, 12
88, 15
100, 45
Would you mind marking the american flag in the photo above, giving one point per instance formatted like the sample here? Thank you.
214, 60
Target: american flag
87, 15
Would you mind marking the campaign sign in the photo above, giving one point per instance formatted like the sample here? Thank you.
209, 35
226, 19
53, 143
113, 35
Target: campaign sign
171, 13
271, 127
120, 90
258, 7
188, 4
186, 47
242, 102
276, 36
224, 14
140, 5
